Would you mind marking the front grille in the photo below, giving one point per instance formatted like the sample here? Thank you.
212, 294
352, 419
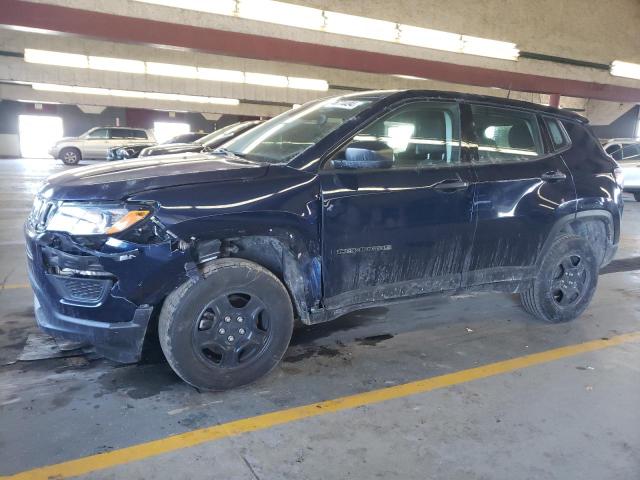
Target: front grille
81, 290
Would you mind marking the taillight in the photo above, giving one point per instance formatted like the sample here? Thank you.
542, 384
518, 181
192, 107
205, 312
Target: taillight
618, 174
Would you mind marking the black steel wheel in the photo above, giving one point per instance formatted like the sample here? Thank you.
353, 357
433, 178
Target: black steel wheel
228, 328
569, 280
565, 283
232, 330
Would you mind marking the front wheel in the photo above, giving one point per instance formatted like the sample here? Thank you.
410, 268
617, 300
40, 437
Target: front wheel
228, 328
636, 195
70, 156
565, 282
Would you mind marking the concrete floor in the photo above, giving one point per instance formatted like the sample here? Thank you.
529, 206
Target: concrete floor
574, 418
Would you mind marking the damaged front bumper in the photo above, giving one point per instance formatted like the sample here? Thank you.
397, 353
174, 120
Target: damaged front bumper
105, 297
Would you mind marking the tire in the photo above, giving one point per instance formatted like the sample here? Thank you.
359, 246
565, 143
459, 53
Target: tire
565, 283
636, 195
70, 156
227, 329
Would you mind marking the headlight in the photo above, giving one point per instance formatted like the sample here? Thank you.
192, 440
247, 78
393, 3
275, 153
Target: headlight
78, 219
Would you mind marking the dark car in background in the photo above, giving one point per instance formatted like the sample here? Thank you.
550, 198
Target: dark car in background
124, 152
208, 142
340, 204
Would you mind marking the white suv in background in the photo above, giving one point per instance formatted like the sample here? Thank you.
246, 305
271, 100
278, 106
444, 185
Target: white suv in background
626, 151
96, 143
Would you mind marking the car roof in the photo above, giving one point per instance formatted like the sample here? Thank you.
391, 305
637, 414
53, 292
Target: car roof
393, 95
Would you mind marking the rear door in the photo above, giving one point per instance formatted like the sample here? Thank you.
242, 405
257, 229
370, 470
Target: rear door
523, 187
404, 225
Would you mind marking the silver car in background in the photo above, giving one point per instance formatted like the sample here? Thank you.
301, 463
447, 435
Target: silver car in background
96, 142
626, 151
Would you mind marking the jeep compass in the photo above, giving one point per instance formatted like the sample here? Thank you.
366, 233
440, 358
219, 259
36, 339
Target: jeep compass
339, 204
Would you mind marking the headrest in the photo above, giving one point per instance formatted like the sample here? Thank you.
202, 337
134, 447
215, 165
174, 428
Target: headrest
520, 137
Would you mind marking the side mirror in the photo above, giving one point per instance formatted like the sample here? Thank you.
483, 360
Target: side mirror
359, 156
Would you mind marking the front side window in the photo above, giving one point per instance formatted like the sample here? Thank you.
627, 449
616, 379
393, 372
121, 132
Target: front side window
99, 133
286, 136
505, 135
420, 134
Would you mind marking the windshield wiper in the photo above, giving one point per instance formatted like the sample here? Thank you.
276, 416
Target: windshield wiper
225, 151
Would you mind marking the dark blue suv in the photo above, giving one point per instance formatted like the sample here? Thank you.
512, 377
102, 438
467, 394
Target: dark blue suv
337, 205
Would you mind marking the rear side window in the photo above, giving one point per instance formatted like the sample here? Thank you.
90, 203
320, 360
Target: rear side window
615, 151
138, 134
119, 133
559, 138
505, 135
631, 152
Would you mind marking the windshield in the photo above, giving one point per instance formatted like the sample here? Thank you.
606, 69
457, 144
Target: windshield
213, 136
289, 134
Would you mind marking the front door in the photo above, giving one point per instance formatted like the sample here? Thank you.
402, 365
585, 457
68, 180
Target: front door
96, 144
523, 187
397, 208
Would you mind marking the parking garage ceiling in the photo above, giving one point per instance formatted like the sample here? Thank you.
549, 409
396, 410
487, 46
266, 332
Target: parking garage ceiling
259, 58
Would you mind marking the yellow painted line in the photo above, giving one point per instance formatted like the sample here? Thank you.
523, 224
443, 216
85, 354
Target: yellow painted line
172, 443
12, 286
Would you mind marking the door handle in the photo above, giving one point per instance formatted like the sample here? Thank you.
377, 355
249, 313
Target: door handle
451, 184
553, 176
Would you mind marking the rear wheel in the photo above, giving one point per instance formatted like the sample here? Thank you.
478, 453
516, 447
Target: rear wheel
227, 329
70, 156
636, 195
565, 283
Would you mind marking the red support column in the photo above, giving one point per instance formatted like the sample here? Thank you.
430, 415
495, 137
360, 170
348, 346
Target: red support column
554, 100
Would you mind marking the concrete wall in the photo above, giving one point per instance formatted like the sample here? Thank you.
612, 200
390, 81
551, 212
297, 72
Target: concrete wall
624, 127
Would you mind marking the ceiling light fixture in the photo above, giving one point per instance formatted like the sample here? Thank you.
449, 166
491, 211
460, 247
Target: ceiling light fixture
266, 80
625, 69
308, 84
356, 26
172, 97
172, 70
55, 58
283, 13
116, 64
218, 75
221, 7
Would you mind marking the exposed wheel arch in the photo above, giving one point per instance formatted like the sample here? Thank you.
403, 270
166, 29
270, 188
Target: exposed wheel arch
596, 226
295, 270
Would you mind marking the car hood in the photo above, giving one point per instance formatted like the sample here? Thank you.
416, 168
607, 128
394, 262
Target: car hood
119, 180
172, 148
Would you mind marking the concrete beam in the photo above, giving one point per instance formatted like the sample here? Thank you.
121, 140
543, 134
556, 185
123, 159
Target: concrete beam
119, 28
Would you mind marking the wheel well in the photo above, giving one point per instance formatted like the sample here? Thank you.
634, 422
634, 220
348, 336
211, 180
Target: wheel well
274, 255
596, 230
